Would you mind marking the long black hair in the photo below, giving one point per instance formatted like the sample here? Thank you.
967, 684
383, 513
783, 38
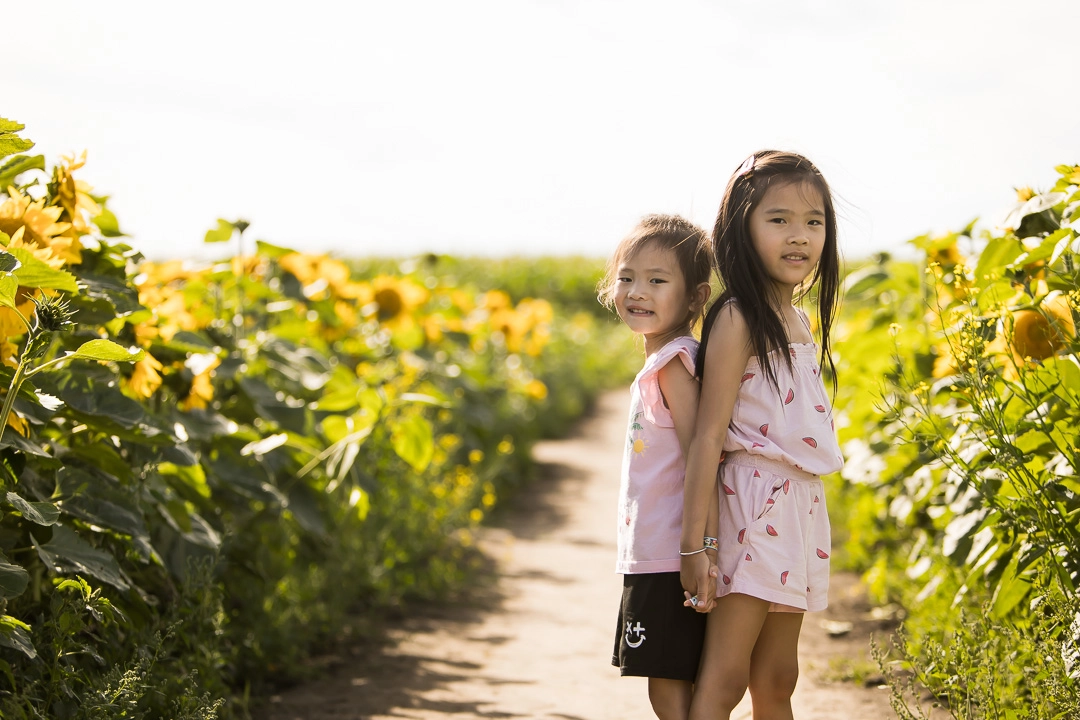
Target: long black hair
742, 274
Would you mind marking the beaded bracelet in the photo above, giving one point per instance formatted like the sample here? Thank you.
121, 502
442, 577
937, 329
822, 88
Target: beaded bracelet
711, 543
692, 552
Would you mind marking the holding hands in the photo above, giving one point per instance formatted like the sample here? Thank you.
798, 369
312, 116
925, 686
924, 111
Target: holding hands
698, 575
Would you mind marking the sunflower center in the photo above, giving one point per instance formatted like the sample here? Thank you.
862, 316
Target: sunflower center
389, 302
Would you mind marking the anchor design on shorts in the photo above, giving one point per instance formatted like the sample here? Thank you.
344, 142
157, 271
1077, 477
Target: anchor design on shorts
635, 630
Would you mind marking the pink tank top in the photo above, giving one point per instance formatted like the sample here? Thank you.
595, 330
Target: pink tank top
653, 471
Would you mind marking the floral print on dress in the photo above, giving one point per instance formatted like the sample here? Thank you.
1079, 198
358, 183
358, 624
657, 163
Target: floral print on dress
635, 443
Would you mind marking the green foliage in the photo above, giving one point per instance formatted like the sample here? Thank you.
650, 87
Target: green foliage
982, 668
962, 484
10, 142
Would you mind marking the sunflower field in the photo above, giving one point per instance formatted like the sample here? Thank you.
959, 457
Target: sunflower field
207, 471
961, 494
210, 471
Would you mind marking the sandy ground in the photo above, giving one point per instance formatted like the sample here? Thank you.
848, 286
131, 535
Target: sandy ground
536, 641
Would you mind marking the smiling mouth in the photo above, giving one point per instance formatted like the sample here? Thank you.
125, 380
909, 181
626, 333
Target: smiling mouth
638, 311
796, 257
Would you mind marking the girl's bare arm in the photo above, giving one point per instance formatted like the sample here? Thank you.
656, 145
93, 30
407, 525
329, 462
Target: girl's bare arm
725, 362
680, 390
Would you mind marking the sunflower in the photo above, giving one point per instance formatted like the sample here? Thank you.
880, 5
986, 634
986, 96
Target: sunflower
320, 275
495, 300
202, 387
536, 389
145, 381
9, 353
463, 301
397, 298
944, 362
337, 277
160, 289
11, 325
540, 316
1039, 333
162, 273
74, 198
36, 226
512, 326
433, 328
945, 255
303, 267
172, 315
253, 267
16, 423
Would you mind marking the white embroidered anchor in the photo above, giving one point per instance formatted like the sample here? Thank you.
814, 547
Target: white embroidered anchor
637, 630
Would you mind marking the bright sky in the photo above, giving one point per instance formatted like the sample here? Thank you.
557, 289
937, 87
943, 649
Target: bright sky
498, 127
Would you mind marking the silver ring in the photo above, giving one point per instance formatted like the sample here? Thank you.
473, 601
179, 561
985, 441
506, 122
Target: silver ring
694, 600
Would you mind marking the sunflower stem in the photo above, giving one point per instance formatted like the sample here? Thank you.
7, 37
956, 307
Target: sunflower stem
9, 399
46, 365
240, 226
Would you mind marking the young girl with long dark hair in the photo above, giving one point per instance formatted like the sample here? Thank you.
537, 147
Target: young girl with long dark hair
764, 432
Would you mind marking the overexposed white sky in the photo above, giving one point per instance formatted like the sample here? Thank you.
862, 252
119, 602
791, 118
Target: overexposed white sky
507, 127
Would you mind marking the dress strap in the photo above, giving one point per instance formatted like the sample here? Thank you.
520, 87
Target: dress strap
805, 320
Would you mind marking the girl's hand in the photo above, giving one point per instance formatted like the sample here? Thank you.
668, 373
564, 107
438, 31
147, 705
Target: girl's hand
698, 576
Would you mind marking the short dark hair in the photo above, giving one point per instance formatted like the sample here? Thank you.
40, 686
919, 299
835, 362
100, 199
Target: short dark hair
670, 232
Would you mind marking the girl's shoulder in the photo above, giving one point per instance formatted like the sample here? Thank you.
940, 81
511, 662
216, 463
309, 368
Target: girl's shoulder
802, 315
730, 316
685, 344
683, 341
670, 369
683, 348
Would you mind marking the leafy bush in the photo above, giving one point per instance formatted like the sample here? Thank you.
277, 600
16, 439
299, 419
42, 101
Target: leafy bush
205, 469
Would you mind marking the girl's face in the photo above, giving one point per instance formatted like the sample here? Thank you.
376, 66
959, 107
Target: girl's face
652, 298
788, 231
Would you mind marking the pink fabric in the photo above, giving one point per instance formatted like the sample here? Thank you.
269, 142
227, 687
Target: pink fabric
774, 526
793, 425
653, 471
775, 538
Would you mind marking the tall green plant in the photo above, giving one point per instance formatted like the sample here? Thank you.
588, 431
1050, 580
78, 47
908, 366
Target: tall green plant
983, 496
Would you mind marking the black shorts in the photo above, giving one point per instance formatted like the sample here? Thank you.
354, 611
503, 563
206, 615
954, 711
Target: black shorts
657, 636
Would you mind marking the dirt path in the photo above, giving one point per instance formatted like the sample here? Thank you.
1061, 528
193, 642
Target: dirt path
537, 642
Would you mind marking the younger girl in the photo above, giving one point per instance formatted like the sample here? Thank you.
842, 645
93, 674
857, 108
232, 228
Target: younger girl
658, 282
765, 415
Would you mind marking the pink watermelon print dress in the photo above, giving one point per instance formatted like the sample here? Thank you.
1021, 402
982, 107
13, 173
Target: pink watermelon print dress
774, 527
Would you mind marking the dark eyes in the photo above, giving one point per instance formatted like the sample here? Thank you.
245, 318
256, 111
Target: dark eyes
783, 221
